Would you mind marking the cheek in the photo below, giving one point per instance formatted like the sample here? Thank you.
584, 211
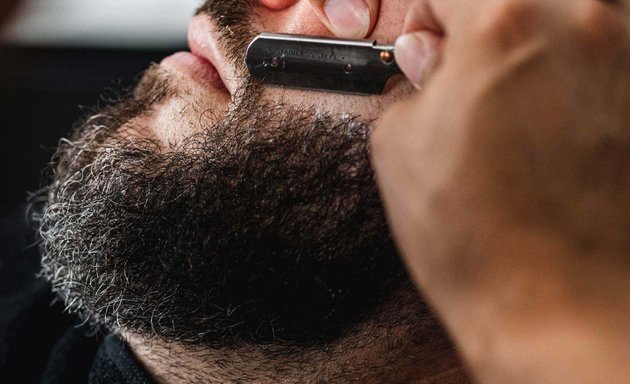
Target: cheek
174, 121
169, 123
390, 20
180, 117
367, 107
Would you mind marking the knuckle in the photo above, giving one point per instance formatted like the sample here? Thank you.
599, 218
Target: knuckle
510, 22
599, 26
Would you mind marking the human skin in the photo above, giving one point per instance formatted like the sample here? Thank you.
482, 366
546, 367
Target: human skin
299, 17
506, 203
176, 119
507, 184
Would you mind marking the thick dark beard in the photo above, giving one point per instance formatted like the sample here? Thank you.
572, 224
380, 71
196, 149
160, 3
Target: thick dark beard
265, 228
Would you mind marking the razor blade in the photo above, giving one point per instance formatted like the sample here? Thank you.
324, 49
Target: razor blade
323, 64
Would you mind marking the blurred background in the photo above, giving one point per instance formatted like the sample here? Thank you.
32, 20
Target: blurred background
55, 57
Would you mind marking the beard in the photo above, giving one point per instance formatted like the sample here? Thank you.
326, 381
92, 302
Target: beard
264, 227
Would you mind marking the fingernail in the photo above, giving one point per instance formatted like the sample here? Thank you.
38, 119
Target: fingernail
413, 57
349, 18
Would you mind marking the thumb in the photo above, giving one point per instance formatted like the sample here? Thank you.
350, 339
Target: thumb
350, 19
418, 54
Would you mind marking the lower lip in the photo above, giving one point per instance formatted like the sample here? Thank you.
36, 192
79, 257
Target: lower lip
195, 67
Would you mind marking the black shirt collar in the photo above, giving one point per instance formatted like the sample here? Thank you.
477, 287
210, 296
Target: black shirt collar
115, 364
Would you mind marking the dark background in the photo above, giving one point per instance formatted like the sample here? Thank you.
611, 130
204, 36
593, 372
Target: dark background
41, 94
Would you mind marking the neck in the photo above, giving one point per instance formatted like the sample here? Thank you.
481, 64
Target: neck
403, 343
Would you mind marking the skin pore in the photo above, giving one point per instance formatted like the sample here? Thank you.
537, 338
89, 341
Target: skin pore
240, 237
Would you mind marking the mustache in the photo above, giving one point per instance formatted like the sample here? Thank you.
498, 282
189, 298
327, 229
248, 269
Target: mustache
233, 19
227, 12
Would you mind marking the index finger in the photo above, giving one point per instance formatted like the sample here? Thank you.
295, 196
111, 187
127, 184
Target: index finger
421, 17
348, 18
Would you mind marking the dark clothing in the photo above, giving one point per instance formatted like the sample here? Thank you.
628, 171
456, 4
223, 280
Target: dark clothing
39, 343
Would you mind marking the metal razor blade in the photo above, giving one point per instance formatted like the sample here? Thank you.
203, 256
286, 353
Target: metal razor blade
320, 63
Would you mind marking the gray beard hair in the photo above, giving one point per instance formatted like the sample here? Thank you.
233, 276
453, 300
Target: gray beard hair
267, 227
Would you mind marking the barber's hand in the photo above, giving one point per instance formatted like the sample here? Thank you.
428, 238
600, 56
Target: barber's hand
507, 184
351, 19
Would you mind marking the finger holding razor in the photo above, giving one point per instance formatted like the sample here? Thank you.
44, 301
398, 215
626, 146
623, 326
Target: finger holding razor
346, 63
349, 19
493, 176
418, 49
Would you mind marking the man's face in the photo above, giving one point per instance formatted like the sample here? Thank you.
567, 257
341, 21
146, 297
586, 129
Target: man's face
220, 40
217, 211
